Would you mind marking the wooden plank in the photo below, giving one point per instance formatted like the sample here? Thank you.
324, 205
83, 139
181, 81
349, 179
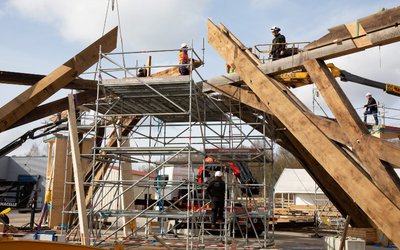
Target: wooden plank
356, 131
78, 175
148, 64
352, 180
27, 79
59, 78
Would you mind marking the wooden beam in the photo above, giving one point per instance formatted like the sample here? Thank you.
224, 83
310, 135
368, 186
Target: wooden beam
328, 185
287, 141
148, 64
356, 131
78, 175
59, 78
128, 195
27, 79
57, 182
329, 127
350, 178
54, 107
174, 71
340, 42
127, 125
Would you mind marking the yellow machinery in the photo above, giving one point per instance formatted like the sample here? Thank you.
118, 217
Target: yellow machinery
300, 78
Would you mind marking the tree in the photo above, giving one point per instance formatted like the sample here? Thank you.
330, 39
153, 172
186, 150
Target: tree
34, 151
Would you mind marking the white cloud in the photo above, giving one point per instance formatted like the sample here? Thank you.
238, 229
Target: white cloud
145, 24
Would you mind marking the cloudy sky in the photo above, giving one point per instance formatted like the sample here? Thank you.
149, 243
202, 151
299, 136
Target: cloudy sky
38, 36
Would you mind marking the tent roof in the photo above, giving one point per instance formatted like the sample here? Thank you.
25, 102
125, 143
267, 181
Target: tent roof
298, 181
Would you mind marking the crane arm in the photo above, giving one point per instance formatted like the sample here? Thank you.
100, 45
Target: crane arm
301, 78
49, 129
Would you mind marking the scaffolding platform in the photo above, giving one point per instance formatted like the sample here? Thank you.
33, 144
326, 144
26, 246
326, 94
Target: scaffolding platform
164, 97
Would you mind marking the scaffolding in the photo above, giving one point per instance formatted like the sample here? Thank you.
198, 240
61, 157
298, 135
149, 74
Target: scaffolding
166, 126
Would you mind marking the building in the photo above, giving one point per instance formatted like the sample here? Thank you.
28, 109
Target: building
17, 168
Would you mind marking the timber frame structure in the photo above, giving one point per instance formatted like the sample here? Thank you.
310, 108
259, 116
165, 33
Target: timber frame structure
354, 169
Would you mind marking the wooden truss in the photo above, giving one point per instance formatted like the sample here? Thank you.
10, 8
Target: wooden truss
353, 168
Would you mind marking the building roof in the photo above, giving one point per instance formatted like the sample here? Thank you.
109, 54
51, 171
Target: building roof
296, 180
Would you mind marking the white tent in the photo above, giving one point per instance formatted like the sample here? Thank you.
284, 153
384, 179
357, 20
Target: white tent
296, 186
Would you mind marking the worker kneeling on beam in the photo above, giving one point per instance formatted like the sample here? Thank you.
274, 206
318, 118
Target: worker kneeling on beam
216, 192
371, 108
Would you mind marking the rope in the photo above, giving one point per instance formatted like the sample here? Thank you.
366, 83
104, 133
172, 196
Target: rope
120, 37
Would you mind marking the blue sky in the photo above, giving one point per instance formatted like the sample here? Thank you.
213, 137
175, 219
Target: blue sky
38, 36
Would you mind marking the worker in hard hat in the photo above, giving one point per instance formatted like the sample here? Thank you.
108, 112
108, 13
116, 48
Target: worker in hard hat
184, 59
278, 44
371, 108
216, 192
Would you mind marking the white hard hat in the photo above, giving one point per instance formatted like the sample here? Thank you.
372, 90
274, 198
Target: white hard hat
274, 28
183, 45
368, 94
218, 174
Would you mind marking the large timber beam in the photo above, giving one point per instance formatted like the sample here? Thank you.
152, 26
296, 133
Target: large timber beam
384, 149
336, 163
374, 30
54, 107
356, 132
283, 137
59, 78
329, 127
78, 175
127, 124
27, 79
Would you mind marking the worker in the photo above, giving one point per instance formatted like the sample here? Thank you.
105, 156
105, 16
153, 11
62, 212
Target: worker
278, 44
184, 59
142, 72
230, 68
371, 108
216, 192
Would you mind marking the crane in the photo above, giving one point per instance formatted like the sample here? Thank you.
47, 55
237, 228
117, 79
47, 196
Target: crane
300, 78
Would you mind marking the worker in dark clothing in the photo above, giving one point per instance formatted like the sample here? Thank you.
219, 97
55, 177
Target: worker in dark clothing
278, 44
216, 192
371, 108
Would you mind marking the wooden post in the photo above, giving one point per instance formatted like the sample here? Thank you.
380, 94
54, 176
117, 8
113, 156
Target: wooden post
57, 183
78, 175
346, 227
148, 64
128, 196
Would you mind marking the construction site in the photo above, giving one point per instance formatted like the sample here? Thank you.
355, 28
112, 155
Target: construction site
136, 146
